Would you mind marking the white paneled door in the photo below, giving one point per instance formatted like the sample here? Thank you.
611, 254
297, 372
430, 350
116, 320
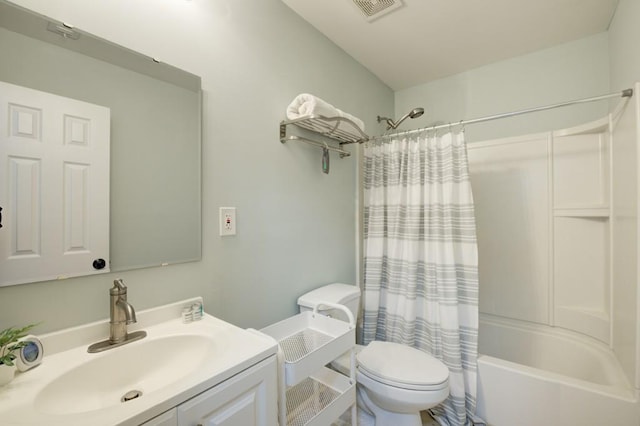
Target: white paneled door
54, 186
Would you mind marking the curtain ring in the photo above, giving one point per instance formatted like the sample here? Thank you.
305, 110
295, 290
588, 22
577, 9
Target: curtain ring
409, 135
462, 127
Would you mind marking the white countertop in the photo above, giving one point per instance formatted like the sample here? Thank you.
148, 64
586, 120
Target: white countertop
233, 350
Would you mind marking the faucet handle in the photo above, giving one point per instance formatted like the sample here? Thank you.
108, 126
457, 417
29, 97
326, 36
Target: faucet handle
118, 288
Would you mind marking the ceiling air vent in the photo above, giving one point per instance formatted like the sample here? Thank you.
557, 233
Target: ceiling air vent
374, 9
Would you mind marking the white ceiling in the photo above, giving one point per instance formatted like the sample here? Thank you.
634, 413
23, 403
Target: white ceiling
428, 39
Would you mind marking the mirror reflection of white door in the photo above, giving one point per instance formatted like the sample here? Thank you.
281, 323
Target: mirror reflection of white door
54, 186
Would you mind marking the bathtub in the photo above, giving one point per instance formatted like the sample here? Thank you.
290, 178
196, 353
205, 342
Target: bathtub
531, 375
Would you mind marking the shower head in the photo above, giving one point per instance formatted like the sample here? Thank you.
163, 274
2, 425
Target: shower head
414, 113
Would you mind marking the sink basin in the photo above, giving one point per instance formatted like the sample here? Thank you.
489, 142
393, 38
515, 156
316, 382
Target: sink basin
142, 367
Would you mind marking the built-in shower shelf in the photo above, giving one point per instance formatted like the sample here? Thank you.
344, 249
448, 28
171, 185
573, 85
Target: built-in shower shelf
598, 212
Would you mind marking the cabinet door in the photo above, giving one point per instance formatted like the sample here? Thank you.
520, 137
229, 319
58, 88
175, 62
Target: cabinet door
247, 399
170, 418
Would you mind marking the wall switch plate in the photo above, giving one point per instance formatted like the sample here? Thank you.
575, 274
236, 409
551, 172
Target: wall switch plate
227, 221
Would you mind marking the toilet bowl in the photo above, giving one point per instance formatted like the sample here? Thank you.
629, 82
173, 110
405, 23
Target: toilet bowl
394, 381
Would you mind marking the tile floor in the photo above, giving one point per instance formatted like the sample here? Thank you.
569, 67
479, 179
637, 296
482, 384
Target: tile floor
345, 420
427, 420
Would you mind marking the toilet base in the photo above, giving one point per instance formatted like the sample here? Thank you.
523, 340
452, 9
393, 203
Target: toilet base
383, 417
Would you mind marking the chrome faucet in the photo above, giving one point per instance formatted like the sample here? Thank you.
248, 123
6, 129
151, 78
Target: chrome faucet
121, 315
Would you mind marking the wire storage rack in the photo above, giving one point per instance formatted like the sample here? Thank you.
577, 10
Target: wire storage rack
339, 129
314, 395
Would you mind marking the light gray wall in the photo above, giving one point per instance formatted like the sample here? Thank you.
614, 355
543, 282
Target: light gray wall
624, 34
296, 226
569, 71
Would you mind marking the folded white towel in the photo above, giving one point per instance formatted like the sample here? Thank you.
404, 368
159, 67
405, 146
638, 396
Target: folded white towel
305, 105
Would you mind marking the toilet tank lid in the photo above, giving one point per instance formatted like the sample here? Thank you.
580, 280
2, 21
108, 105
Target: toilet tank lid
332, 293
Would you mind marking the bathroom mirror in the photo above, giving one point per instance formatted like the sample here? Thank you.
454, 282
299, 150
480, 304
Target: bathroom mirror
155, 127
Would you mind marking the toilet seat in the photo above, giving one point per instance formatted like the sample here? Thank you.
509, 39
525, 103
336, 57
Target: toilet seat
402, 366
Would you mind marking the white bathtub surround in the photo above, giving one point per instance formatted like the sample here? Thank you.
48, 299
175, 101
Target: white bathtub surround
545, 231
420, 266
549, 377
556, 216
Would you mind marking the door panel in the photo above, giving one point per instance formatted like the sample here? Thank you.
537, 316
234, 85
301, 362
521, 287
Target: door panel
54, 159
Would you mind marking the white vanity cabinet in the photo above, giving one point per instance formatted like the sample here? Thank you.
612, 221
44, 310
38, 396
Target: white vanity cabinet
247, 399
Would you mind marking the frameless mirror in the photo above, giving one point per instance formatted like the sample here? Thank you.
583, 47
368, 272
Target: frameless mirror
155, 133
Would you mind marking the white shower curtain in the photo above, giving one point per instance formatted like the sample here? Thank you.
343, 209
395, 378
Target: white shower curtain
420, 257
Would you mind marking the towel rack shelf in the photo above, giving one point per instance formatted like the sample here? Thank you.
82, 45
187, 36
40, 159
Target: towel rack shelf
339, 129
343, 153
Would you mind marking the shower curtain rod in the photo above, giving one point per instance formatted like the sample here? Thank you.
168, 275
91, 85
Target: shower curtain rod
627, 93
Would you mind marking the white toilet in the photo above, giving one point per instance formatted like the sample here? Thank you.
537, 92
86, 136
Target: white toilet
395, 382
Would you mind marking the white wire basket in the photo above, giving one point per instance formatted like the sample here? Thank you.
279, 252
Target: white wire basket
309, 341
319, 399
313, 395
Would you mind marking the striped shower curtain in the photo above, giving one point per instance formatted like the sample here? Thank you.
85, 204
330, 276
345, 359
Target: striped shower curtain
420, 257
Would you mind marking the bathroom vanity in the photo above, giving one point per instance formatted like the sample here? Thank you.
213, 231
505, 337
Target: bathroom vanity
206, 372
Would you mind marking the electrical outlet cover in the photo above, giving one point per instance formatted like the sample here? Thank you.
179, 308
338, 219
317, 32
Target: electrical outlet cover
227, 221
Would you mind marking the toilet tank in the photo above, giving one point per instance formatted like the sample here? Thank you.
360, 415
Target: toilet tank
343, 294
